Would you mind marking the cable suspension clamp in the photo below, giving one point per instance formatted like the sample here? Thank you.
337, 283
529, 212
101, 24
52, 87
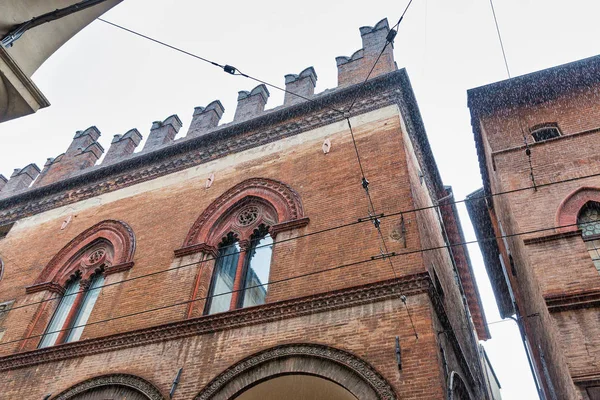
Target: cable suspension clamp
365, 183
230, 69
383, 256
376, 222
371, 217
391, 36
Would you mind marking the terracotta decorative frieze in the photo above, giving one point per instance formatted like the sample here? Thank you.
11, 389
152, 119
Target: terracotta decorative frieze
408, 285
130, 381
587, 379
109, 244
380, 389
278, 124
573, 301
252, 202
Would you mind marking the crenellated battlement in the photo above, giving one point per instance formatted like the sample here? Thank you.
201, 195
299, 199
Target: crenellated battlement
122, 146
251, 104
354, 69
20, 180
84, 151
205, 118
162, 132
302, 84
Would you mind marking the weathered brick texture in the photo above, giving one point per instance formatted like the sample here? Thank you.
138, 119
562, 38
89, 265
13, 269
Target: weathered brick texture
330, 288
553, 268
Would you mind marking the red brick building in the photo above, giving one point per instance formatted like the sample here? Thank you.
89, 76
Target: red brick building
538, 145
240, 260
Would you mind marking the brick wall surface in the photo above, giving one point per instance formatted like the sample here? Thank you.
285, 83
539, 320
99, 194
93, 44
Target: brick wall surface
557, 266
161, 216
204, 357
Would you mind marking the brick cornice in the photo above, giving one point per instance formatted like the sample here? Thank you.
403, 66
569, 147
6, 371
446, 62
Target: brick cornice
50, 286
552, 237
586, 379
113, 269
197, 248
289, 225
573, 301
408, 285
272, 126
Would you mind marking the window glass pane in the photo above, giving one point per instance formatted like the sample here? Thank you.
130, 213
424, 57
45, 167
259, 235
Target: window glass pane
257, 274
86, 308
546, 133
60, 315
589, 219
223, 279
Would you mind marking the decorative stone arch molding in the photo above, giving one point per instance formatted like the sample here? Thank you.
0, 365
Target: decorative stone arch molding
109, 244
566, 215
281, 204
139, 385
457, 388
341, 367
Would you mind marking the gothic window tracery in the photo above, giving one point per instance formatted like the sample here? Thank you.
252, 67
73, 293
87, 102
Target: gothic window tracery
81, 291
238, 229
588, 221
241, 271
75, 276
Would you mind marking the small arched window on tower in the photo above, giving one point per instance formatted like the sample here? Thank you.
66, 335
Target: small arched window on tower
588, 221
545, 131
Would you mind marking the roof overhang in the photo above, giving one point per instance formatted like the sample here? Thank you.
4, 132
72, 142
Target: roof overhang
19, 96
526, 90
477, 207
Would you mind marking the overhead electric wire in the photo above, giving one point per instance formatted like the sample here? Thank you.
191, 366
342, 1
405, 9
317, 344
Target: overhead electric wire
389, 39
333, 228
387, 255
384, 253
234, 71
500, 38
304, 275
527, 149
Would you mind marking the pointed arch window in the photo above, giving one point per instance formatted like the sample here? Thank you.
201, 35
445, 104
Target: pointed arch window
73, 310
239, 229
241, 272
75, 276
588, 220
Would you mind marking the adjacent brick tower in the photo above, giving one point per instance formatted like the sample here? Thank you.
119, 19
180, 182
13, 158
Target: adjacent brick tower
242, 260
538, 140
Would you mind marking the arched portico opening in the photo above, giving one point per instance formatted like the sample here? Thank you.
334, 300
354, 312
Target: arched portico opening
339, 374
297, 387
116, 386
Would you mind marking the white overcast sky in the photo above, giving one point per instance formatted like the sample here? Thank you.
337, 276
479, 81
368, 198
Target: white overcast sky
116, 81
